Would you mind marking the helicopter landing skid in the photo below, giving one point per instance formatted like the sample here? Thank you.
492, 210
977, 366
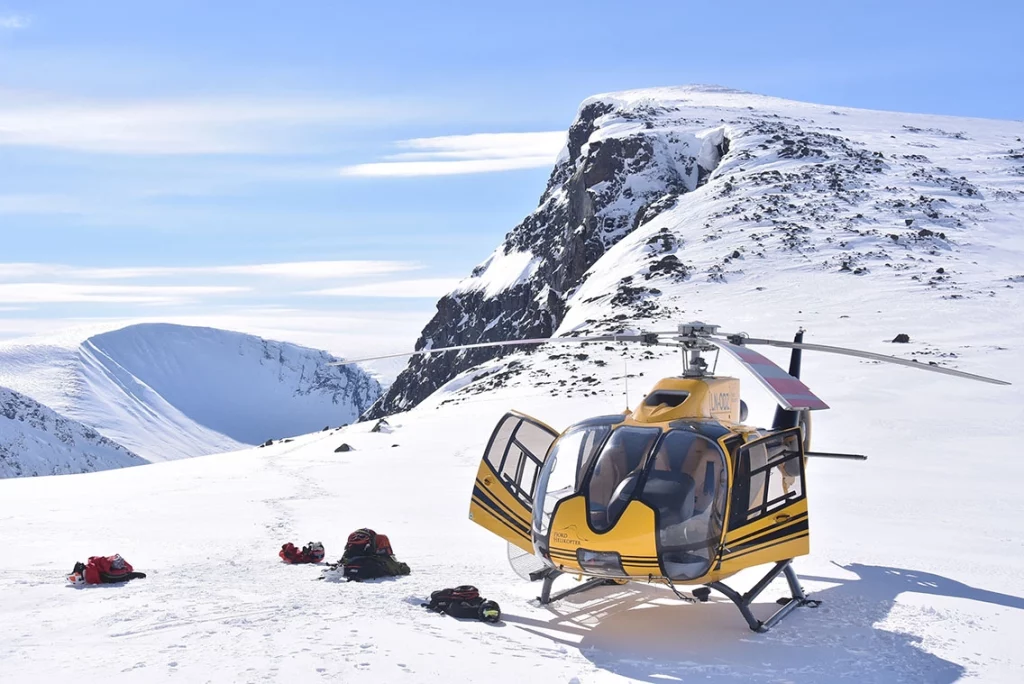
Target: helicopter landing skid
549, 579
799, 598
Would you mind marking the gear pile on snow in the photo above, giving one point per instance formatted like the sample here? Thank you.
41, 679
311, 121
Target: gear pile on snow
463, 601
103, 570
367, 555
313, 552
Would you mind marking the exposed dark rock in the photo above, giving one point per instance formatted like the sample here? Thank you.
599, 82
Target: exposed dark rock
343, 447
902, 338
589, 205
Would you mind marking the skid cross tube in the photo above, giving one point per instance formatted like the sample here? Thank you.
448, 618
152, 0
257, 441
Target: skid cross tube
549, 579
743, 602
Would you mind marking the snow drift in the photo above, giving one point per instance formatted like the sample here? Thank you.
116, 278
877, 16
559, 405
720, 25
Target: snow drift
170, 391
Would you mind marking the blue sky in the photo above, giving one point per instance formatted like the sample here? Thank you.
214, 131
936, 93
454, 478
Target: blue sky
187, 160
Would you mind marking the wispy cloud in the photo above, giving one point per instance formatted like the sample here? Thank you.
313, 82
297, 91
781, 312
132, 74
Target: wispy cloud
298, 270
182, 126
461, 154
39, 204
68, 293
13, 22
345, 332
423, 287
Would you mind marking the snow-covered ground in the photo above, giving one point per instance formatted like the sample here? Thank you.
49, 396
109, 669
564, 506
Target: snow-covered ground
917, 555
170, 391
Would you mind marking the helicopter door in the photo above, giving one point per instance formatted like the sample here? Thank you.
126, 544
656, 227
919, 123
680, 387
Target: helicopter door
507, 478
768, 507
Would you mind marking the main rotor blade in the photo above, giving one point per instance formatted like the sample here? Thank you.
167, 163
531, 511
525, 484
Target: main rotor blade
875, 357
828, 454
502, 343
791, 394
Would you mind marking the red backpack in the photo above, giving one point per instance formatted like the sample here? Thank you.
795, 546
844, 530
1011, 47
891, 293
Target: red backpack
366, 542
311, 553
104, 570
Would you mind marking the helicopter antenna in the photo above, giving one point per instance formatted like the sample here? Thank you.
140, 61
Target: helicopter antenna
625, 377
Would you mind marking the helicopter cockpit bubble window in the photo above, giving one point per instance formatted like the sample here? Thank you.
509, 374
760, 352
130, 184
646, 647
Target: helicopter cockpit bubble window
563, 469
617, 471
687, 484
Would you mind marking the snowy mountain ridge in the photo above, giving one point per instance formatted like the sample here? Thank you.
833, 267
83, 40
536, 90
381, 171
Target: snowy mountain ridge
35, 440
169, 391
664, 195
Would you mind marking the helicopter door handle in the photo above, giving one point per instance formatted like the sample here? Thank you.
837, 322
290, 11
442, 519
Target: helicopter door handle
488, 481
780, 518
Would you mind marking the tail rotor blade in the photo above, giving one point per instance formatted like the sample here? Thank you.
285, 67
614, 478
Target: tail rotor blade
869, 355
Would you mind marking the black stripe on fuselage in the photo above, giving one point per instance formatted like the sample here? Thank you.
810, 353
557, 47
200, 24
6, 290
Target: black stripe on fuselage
480, 488
795, 528
734, 556
748, 538
487, 504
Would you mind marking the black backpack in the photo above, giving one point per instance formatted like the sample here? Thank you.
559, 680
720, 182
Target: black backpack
368, 555
365, 567
463, 602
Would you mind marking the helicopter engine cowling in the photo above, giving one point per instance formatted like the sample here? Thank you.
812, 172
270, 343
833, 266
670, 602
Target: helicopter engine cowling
717, 398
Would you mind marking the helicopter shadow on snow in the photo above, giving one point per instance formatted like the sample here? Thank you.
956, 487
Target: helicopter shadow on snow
636, 632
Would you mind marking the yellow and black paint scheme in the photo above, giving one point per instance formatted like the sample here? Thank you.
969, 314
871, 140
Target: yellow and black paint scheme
748, 484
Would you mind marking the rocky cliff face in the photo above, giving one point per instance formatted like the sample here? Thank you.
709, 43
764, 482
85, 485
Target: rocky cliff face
34, 440
657, 191
616, 172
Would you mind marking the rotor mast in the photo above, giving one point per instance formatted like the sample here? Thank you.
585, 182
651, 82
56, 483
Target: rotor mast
693, 340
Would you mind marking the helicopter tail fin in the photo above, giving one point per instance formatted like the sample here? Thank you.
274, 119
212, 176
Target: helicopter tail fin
783, 418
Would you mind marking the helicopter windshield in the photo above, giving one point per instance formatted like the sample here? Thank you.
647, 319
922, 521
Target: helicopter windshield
687, 485
564, 465
616, 474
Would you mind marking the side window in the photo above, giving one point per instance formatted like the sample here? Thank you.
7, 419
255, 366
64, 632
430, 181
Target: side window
616, 474
517, 453
769, 476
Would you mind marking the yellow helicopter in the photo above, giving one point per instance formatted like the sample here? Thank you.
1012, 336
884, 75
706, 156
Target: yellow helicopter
677, 491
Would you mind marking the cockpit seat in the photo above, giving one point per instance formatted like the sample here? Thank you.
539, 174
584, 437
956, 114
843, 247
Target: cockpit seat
672, 494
